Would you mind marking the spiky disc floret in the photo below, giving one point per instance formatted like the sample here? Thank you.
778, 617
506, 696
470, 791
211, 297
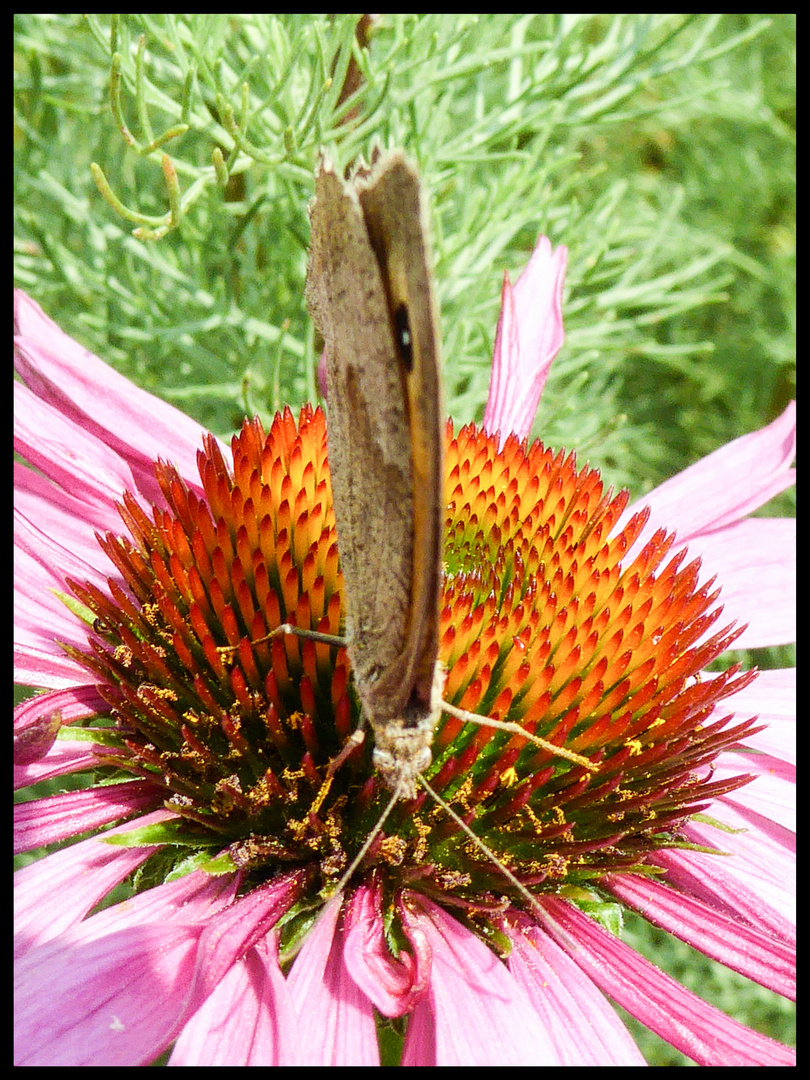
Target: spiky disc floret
544, 622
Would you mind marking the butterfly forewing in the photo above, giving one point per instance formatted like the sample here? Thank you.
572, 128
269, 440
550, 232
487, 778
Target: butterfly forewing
369, 290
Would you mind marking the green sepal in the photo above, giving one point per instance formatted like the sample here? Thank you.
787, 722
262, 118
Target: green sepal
159, 834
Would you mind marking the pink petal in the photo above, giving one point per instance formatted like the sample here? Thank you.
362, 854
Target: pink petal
772, 798
248, 1019
726, 486
528, 337
65, 756
580, 1021
755, 561
57, 892
335, 1020
115, 989
707, 877
70, 456
41, 619
41, 822
690, 1024
716, 933
393, 985
771, 698
35, 718
139, 426
764, 858
476, 1012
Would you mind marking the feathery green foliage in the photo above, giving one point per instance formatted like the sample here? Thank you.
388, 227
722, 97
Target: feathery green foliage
658, 148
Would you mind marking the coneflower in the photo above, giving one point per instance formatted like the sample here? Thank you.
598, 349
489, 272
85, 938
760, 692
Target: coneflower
563, 610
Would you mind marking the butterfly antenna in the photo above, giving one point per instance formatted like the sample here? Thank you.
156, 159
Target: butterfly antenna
361, 854
479, 843
516, 729
372, 836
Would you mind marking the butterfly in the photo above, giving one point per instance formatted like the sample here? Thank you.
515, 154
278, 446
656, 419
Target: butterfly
370, 292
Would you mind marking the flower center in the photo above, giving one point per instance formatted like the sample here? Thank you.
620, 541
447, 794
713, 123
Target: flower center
542, 624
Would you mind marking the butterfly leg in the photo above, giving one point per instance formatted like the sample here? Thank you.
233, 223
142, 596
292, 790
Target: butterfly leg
289, 628
357, 738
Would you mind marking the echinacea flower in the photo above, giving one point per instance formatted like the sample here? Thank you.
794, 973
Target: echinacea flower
205, 746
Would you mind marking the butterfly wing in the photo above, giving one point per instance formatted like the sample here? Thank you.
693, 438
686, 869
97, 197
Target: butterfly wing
369, 290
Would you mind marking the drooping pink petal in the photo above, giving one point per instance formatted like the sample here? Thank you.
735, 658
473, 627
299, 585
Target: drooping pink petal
727, 485
248, 1020
57, 817
393, 985
55, 893
772, 698
60, 514
118, 987
71, 457
764, 858
334, 1018
715, 932
475, 1012
771, 798
707, 877
688, 1023
756, 562
137, 425
65, 756
753, 558
115, 989
583, 1026
37, 721
34, 739
41, 619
